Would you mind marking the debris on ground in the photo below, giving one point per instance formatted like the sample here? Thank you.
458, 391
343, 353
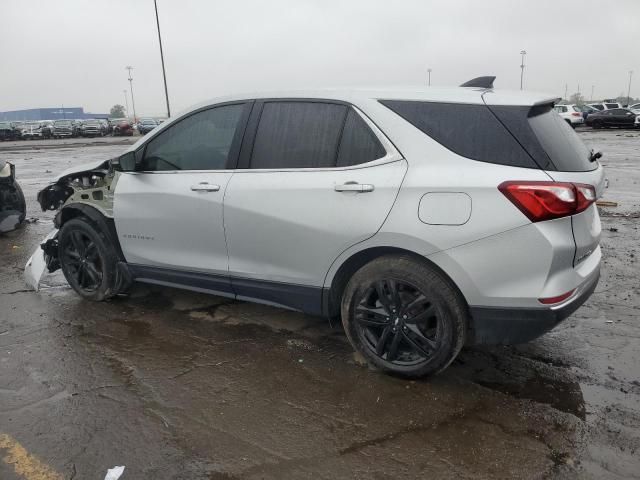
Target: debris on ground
114, 473
606, 203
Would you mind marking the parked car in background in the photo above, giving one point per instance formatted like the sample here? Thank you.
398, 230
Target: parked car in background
47, 128
145, 125
13, 208
33, 130
605, 105
572, 114
92, 128
8, 132
494, 239
615, 117
635, 108
586, 110
122, 127
64, 128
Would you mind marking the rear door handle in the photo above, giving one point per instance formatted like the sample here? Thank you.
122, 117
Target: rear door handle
354, 187
205, 187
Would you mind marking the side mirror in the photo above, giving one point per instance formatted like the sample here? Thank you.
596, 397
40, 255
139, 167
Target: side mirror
125, 163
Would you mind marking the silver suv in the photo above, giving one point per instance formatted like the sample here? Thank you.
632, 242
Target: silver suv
425, 220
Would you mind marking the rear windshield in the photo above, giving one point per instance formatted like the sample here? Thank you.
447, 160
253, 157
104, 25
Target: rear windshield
519, 136
612, 105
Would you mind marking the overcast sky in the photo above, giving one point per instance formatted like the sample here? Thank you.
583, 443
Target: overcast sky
74, 52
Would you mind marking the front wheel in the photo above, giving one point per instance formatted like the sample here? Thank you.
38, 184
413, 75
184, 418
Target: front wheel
404, 316
88, 259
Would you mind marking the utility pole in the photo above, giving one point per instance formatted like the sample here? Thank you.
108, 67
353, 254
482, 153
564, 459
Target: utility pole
629, 89
566, 90
429, 74
522, 53
164, 75
592, 87
133, 102
126, 101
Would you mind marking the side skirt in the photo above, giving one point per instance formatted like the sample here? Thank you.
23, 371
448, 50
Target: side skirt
300, 298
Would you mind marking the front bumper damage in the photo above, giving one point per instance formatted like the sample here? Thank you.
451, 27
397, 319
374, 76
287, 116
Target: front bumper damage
13, 208
44, 258
82, 189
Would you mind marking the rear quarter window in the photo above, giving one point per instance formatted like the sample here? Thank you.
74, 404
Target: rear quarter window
469, 130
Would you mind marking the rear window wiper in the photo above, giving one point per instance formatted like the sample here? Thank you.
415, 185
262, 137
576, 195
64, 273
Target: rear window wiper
593, 155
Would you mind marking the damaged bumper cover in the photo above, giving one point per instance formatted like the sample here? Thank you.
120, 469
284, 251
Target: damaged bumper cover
13, 208
44, 258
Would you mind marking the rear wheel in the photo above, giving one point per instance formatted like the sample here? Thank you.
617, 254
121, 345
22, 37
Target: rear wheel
404, 316
88, 260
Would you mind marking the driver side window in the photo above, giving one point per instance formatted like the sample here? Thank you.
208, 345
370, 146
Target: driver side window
201, 141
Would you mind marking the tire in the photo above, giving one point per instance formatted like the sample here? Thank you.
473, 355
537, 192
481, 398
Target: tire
88, 260
431, 325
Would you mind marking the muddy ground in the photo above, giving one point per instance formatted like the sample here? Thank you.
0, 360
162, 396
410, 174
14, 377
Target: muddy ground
177, 385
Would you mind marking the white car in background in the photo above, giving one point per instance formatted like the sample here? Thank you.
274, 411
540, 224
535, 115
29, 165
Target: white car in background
572, 114
635, 108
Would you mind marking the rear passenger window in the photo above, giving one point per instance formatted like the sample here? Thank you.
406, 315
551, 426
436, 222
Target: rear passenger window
298, 135
358, 144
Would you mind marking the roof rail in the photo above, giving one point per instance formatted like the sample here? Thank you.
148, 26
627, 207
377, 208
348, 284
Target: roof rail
480, 82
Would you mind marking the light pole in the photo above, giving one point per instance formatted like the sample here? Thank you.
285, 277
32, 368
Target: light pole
566, 91
164, 75
592, 87
522, 53
429, 74
133, 102
629, 89
126, 101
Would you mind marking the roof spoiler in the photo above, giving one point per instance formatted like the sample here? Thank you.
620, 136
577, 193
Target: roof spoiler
480, 82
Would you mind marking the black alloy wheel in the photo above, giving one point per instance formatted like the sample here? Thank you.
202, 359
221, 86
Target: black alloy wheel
398, 322
88, 259
83, 262
404, 316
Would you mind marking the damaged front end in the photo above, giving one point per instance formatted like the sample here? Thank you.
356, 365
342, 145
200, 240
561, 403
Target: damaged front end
84, 190
13, 208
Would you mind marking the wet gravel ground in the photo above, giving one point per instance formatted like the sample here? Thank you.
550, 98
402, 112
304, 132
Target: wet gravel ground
177, 385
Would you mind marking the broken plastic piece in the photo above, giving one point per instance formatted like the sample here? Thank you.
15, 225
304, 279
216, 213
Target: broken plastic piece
36, 265
114, 473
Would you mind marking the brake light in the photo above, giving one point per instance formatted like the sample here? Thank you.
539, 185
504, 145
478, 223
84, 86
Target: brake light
576, 114
541, 201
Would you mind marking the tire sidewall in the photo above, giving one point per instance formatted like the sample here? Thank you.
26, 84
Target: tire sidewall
449, 307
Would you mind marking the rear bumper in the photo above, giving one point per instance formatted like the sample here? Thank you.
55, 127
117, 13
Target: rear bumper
508, 326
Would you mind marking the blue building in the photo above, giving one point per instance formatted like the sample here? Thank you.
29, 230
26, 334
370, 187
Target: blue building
59, 113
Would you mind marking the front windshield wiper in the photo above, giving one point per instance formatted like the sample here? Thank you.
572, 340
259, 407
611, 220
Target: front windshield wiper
593, 155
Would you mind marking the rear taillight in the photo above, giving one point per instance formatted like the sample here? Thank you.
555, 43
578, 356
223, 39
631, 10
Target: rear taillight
541, 201
576, 114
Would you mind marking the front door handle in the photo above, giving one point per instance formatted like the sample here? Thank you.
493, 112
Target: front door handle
205, 187
354, 187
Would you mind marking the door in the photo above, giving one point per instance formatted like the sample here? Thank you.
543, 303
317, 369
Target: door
317, 181
168, 214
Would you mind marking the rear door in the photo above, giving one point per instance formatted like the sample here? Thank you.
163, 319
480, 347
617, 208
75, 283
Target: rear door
317, 178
